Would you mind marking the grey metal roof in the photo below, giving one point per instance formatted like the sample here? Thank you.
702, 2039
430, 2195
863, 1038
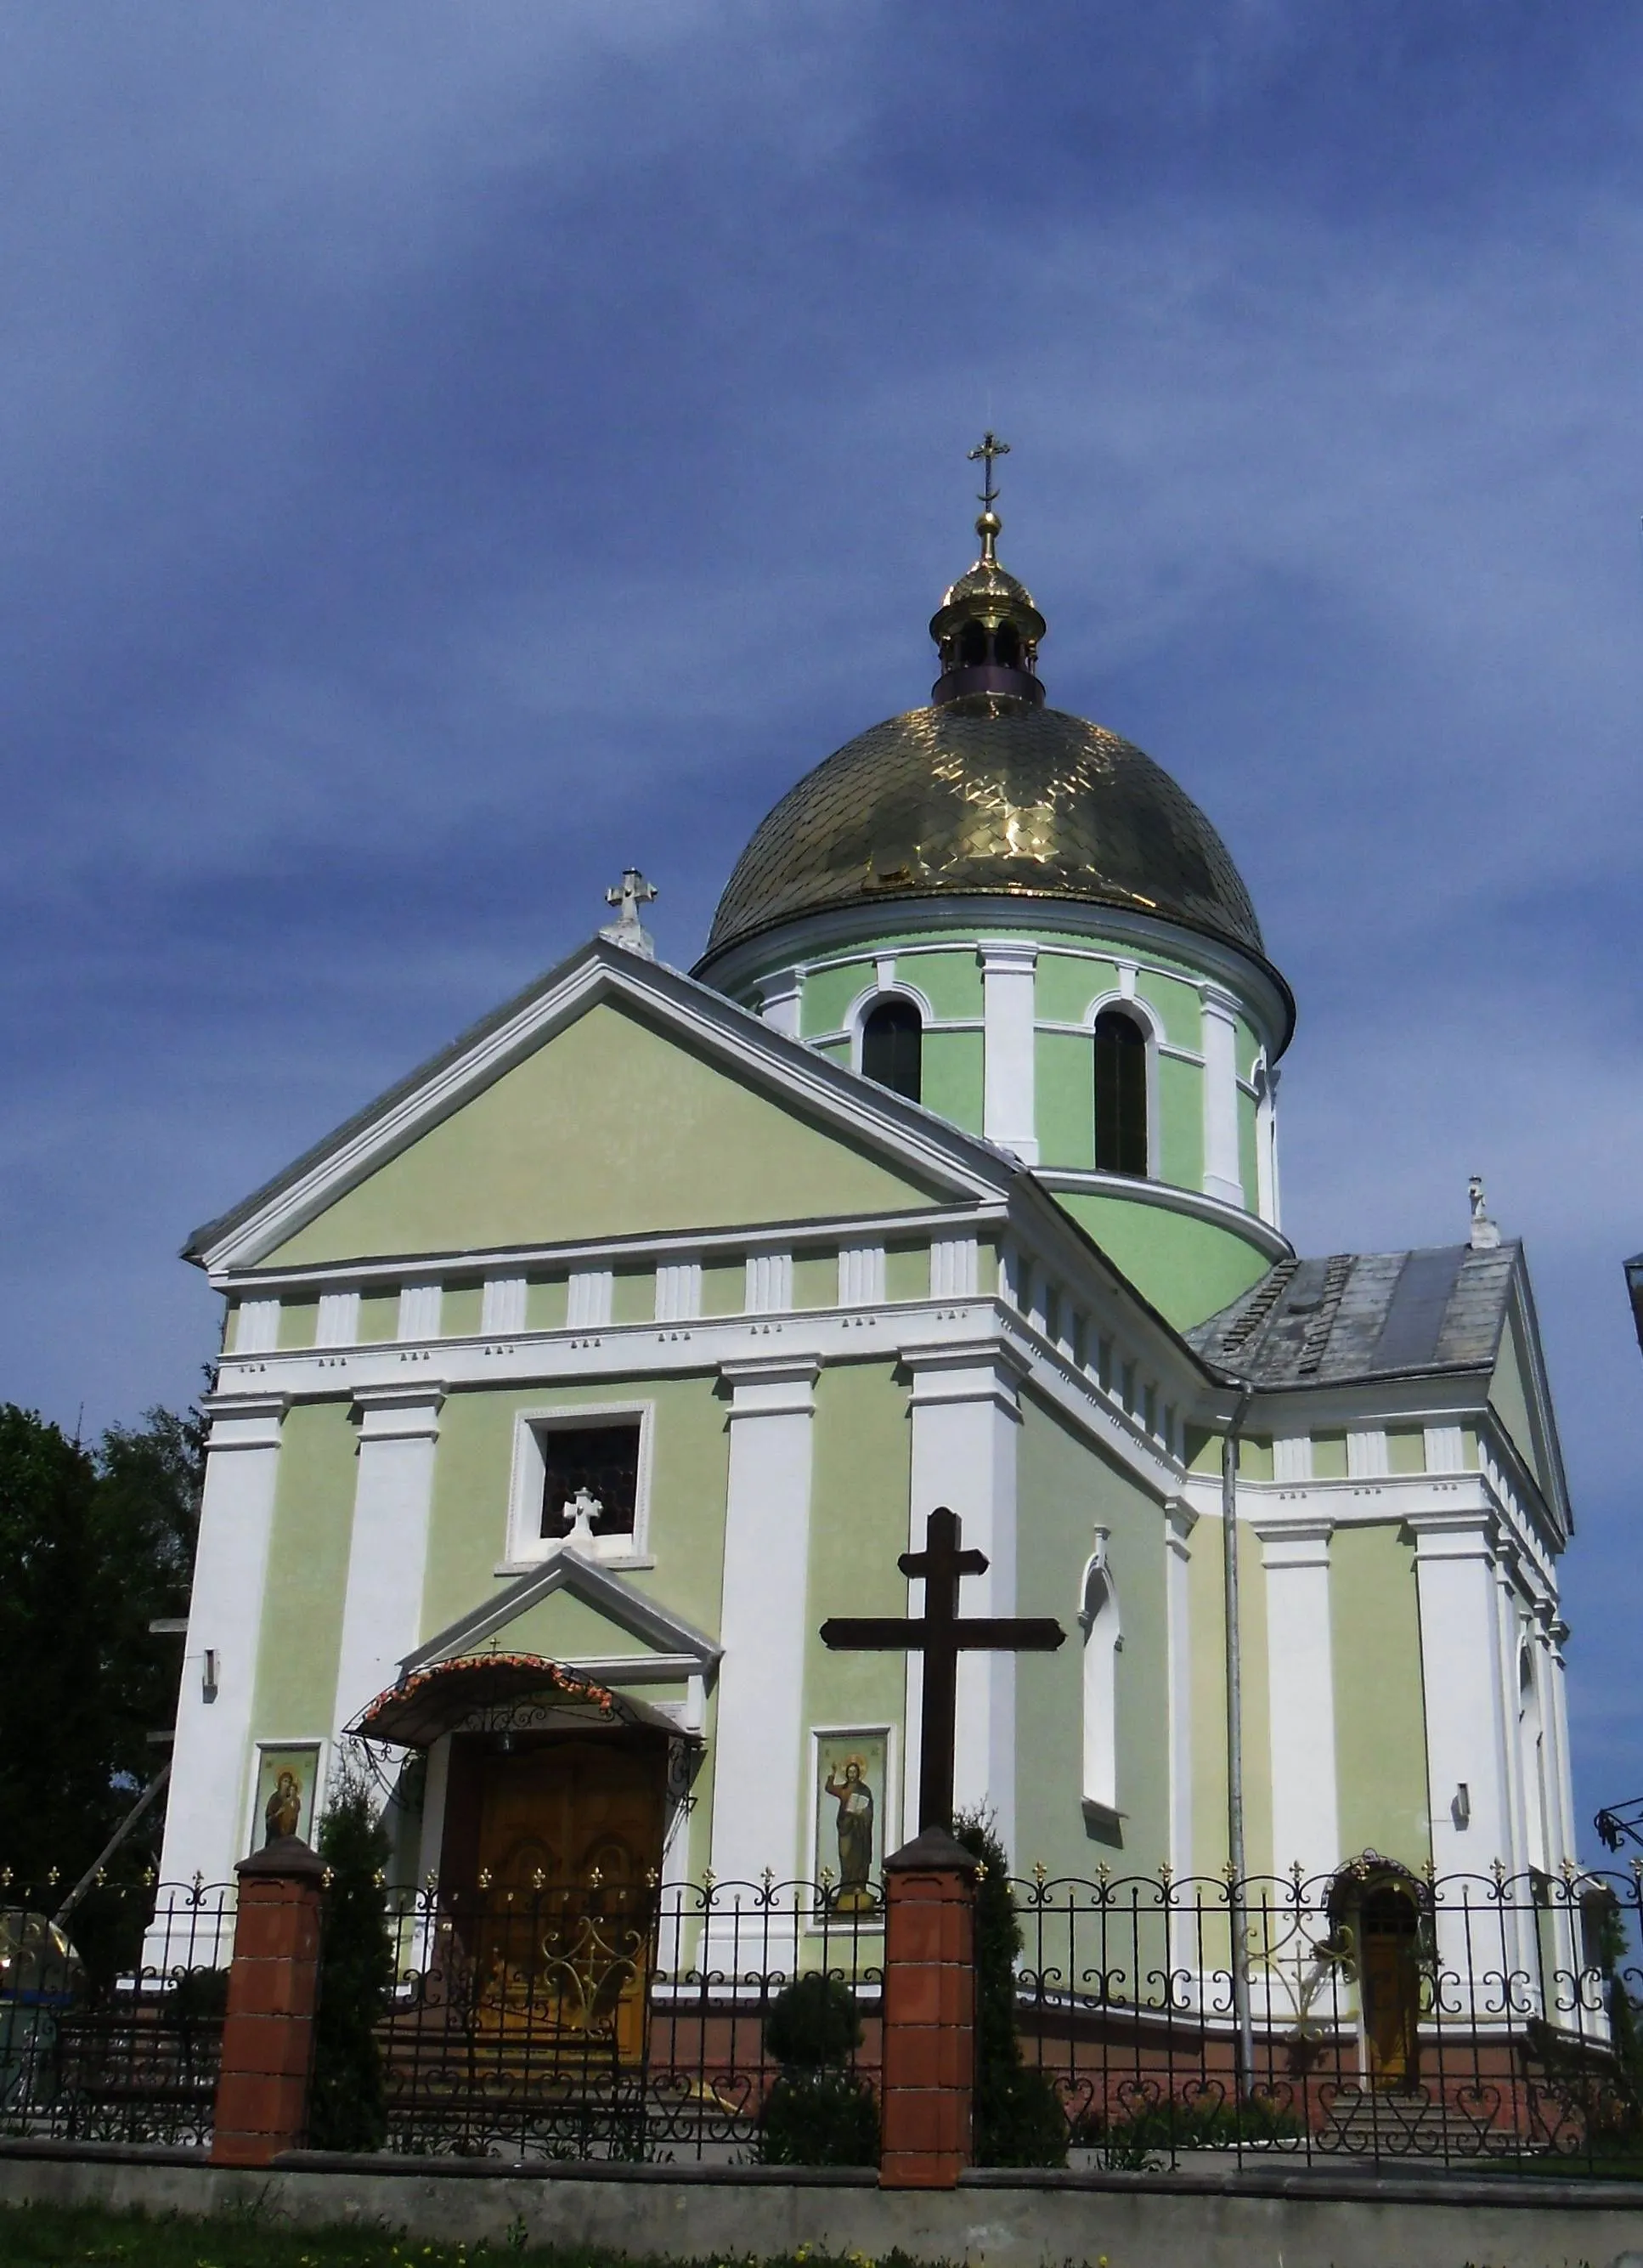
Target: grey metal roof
1364, 1315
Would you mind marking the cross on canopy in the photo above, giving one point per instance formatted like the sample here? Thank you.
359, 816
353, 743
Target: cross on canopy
941, 1633
991, 449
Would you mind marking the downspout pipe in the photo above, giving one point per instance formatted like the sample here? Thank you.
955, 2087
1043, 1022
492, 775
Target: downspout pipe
1236, 1859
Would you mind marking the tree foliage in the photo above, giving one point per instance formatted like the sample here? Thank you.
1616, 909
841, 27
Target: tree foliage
94, 1545
347, 2104
1018, 2116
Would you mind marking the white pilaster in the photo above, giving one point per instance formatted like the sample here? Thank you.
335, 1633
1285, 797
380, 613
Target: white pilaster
679, 1292
1007, 1106
211, 1754
588, 1298
418, 1311
1223, 1172
1292, 1459
1558, 1726
257, 1327
780, 1000
1179, 1520
967, 1419
1460, 1670
861, 1274
387, 1559
760, 1768
337, 1324
502, 1304
1367, 1457
769, 1286
1266, 1145
434, 1790
955, 1268
1445, 1449
1301, 1682
1518, 1853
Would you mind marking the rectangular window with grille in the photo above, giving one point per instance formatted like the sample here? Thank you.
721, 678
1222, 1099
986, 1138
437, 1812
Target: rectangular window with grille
602, 1460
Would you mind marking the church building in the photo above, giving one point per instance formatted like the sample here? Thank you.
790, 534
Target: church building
569, 1388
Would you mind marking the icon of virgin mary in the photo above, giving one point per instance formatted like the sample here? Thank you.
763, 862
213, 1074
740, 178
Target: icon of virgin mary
284, 1808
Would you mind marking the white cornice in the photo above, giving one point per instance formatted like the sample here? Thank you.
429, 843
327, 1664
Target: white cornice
741, 1347
1265, 1239
593, 1251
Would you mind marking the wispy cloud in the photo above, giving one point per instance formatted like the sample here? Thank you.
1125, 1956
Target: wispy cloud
447, 454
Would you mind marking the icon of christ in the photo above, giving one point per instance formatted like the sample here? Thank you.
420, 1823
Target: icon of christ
850, 1791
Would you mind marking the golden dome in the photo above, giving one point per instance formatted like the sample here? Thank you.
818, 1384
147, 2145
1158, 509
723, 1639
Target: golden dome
988, 796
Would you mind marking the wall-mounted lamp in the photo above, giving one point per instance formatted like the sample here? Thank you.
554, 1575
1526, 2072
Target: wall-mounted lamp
207, 1675
1460, 1806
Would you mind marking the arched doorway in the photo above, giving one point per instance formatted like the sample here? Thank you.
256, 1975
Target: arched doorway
1380, 1912
566, 1838
552, 1833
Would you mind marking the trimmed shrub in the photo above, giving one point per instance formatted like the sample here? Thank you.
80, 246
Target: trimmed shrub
813, 2021
346, 2104
819, 2118
819, 2113
1018, 2116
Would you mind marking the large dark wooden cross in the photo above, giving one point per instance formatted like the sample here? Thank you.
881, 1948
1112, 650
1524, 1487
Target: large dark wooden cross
941, 1634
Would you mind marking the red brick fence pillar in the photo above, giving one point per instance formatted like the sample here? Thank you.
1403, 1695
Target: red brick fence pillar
929, 2076
262, 2088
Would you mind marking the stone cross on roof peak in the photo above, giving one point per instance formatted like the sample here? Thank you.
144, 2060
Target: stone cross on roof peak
627, 929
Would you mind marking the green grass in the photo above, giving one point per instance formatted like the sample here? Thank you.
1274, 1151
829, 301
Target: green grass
52, 2236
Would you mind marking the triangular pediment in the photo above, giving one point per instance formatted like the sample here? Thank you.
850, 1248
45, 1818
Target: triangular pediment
617, 1099
574, 1611
1520, 1394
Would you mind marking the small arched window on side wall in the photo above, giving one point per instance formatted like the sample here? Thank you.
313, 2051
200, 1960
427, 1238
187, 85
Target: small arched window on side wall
1121, 1108
892, 1047
1098, 1619
1532, 1747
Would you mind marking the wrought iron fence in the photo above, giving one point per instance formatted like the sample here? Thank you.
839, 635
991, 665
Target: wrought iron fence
111, 2018
1474, 2021
720, 2020
1483, 2020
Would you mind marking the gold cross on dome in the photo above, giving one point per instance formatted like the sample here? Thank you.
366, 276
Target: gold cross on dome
991, 448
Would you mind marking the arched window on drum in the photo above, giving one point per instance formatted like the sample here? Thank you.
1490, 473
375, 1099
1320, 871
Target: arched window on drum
1121, 1099
892, 1046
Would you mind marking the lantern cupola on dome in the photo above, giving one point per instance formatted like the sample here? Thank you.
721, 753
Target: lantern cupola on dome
986, 628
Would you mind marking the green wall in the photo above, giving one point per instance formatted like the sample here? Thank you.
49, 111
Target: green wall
1207, 1655
1187, 1268
611, 1128
1508, 1397
300, 1643
473, 1466
1065, 1490
952, 1077
861, 1448
1065, 1075
1380, 1713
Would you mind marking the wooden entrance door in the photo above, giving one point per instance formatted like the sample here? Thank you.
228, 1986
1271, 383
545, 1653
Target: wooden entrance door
569, 1846
1390, 1966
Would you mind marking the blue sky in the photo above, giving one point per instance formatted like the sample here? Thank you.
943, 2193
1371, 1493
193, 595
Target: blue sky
451, 452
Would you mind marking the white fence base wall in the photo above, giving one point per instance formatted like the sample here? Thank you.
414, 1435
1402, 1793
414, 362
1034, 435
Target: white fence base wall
1196, 2218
